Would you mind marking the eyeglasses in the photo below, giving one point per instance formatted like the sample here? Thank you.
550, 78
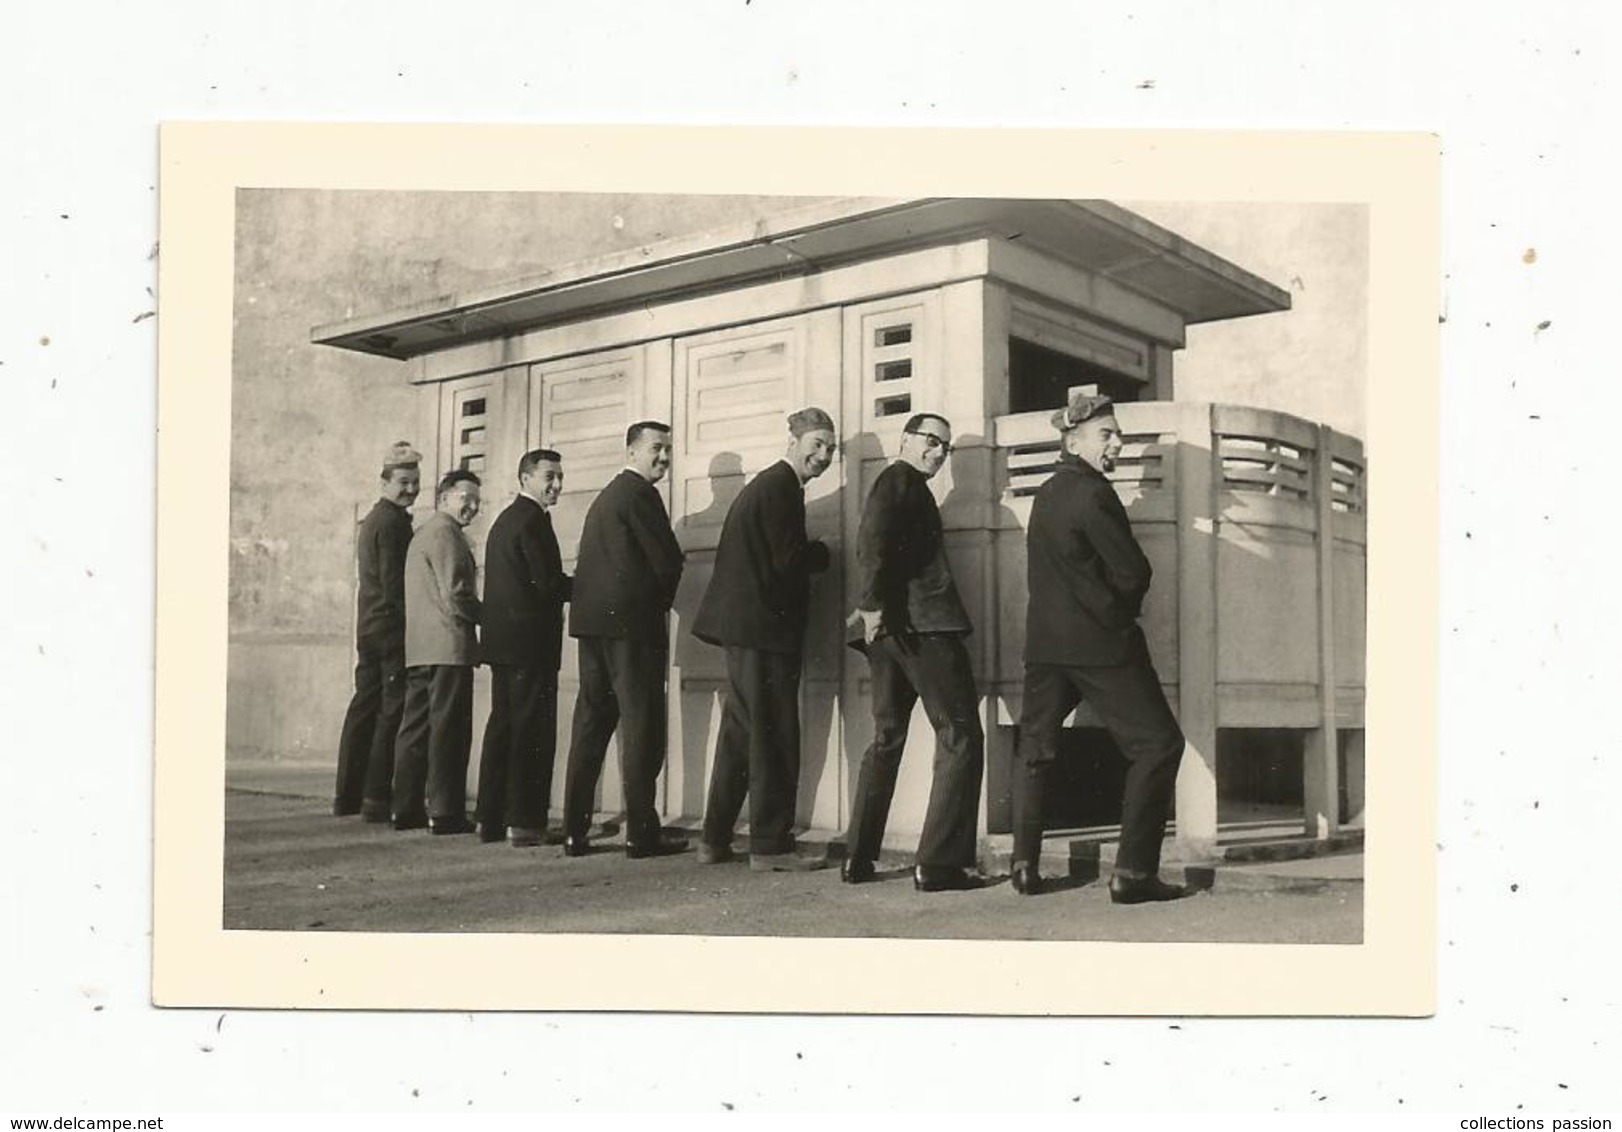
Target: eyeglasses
931, 440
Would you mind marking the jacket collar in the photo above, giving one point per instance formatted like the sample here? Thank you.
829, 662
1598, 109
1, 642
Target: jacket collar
1070, 462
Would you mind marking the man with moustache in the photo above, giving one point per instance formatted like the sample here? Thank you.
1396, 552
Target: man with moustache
624, 585
755, 609
1088, 578
521, 639
912, 623
442, 609
366, 744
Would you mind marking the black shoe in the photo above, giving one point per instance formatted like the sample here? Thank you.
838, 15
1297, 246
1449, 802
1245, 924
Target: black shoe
524, 837
1025, 879
490, 834
410, 821
665, 846
576, 846
342, 809
451, 824
943, 878
715, 854
1142, 890
856, 871
374, 812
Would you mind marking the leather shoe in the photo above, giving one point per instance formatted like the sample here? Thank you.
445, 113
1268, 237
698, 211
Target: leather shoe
342, 809
410, 821
522, 837
374, 813
715, 854
576, 846
942, 878
453, 823
1025, 879
665, 846
855, 870
1142, 890
490, 834
790, 862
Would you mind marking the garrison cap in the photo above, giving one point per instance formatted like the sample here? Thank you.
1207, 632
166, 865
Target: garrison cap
400, 454
1082, 407
809, 420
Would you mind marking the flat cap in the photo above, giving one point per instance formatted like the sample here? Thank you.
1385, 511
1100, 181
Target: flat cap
809, 420
400, 454
1082, 407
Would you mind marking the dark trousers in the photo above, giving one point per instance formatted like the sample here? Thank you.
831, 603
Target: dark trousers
520, 744
758, 751
436, 736
1133, 709
366, 744
622, 685
935, 668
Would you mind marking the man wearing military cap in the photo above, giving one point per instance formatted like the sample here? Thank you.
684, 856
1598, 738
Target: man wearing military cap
912, 625
755, 609
366, 744
1087, 581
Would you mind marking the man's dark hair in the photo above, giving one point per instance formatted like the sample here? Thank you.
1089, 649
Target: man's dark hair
919, 418
452, 478
527, 462
640, 427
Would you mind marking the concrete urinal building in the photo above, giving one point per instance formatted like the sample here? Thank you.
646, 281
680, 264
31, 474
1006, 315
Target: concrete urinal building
988, 312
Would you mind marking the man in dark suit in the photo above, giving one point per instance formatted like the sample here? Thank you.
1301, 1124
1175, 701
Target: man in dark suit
442, 612
755, 608
624, 584
913, 623
1088, 578
521, 639
366, 744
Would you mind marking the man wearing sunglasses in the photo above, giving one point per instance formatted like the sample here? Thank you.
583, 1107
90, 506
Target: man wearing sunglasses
912, 624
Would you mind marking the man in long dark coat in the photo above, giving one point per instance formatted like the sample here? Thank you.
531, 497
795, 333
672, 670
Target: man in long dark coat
442, 615
913, 624
755, 608
624, 585
366, 744
1088, 578
521, 639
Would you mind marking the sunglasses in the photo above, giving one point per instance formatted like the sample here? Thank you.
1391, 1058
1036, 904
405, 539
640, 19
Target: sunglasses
931, 440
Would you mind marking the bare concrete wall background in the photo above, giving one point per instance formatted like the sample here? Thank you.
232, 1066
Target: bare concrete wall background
1311, 360
308, 422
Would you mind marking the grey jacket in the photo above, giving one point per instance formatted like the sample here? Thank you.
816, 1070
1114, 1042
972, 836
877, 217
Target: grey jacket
441, 595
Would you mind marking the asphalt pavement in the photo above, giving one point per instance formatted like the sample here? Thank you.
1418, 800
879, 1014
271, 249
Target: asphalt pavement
290, 865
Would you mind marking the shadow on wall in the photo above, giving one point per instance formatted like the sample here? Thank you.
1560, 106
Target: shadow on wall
699, 714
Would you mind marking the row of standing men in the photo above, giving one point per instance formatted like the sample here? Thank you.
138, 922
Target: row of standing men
422, 627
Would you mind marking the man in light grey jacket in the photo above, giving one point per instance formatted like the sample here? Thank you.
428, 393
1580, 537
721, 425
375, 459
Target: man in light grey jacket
442, 610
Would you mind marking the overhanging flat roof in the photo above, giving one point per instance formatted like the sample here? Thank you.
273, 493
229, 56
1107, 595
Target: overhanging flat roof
1096, 236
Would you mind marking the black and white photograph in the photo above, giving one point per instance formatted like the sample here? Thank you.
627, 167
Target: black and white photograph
929, 567
618, 566
926, 559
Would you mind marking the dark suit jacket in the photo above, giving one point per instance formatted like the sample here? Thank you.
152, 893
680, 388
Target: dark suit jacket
901, 566
524, 589
761, 586
625, 578
1087, 574
380, 553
